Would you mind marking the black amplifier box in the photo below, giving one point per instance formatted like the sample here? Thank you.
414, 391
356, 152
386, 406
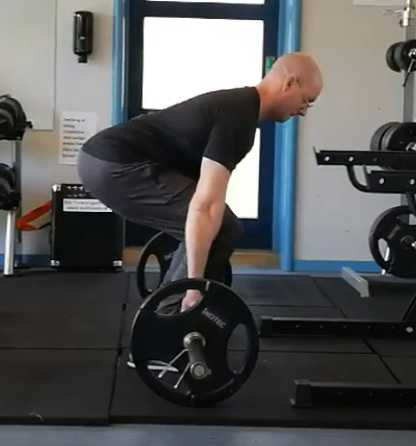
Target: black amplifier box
85, 233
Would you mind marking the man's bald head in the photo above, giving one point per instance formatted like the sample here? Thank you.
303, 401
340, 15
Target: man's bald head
289, 88
300, 65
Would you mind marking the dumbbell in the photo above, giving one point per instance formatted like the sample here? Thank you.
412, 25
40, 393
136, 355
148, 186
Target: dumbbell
12, 118
9, 198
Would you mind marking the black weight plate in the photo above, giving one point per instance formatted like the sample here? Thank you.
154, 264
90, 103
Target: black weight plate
385, 144
228, 275
378, 135
378, 232
157, 339
16, 117
9, 112
392, 226
6, 122
401, 54
388, 134
399, 138
9, 198
14, 106
161, 246
7, 173
398, 55
391, 62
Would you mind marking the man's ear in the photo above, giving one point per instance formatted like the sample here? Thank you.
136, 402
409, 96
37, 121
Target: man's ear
289, 82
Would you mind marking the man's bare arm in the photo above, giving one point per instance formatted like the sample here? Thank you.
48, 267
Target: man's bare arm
205, 214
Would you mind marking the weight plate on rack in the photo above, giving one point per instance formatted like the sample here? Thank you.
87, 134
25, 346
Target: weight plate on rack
399, 237
375, 143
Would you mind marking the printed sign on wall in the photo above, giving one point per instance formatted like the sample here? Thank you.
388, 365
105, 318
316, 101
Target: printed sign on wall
75, 129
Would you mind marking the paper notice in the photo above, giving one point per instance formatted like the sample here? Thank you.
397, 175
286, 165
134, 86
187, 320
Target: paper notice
75, 129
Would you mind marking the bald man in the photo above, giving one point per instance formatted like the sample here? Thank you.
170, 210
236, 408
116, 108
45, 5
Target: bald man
169, 170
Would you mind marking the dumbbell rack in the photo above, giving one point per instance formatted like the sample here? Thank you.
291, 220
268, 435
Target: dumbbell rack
11, 236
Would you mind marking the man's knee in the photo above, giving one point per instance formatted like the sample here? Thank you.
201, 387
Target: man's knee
231, 229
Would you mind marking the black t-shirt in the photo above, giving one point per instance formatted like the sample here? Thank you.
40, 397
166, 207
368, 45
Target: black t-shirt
219, 125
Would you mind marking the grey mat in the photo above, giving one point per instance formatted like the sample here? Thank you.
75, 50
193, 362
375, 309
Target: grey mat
62, 310
56, 386
264, 400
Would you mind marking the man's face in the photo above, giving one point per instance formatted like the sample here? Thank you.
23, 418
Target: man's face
296, 99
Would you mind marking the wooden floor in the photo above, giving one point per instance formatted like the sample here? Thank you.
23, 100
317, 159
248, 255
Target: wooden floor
243, 257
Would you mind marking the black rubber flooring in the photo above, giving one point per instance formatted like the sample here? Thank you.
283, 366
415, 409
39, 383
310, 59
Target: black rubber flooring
64, 341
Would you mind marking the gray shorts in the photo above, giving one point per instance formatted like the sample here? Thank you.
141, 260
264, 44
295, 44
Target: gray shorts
153, 195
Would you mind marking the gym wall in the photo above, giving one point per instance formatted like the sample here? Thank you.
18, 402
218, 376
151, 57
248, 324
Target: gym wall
361, 93
79, 87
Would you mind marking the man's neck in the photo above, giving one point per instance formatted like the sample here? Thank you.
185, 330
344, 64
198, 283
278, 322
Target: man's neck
262, 91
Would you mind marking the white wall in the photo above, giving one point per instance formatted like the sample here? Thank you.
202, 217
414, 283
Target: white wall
79, 87
361, 93
32, 22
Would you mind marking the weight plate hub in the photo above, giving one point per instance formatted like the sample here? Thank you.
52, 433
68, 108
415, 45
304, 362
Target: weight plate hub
157, 343
393, 228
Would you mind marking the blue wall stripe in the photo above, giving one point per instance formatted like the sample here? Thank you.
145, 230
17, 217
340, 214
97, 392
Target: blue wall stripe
31, 260
303, 266
285, 186
335, 266
118, 68
276, 228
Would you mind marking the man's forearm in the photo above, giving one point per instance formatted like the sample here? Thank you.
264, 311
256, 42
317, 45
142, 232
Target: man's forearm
202, 225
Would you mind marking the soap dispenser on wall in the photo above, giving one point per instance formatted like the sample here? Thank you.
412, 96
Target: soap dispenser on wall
83, 35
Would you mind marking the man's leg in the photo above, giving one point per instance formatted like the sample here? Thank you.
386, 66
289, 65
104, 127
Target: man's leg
153, 195
221, 250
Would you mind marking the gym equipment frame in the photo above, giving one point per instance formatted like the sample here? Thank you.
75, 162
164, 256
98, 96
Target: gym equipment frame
313, 393
10, 239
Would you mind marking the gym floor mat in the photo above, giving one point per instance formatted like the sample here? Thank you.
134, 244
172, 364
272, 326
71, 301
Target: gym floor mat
266, 290
279, 290
60, 333
384, 303
50, 311
264, 400
56, 386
